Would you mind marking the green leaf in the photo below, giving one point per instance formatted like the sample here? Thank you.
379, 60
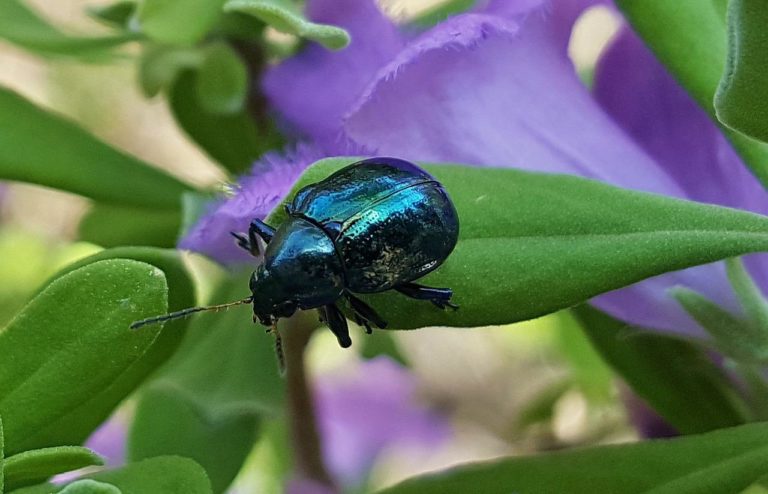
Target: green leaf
235, 140
75, 161
741, 101
381, 343
118, 14
167, 421
37, 465
725, 477
214, 392
160, 475
245, 32
88, 486
221, 350
736, 338
273, 455
759, 487
71, 342
23, 27
179, 23
556, 241
113, 226
2, 458
720, 462
749, 295
284, 15
676, 377
588, 370
159, 66
222, 81
689, 37
82, 420
441, 11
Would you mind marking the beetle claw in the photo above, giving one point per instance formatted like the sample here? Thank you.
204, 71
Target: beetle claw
360, 321
444, 304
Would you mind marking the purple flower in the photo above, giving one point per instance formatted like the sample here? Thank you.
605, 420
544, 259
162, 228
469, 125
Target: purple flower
306, 486
648, 423
495, 87
315, 104
255, 195
110, 438
363, 413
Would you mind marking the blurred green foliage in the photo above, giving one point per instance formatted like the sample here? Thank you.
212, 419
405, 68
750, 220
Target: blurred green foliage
29, 260
673, 375
208, 390
161, 475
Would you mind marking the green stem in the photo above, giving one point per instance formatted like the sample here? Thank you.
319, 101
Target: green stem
307, 452
757, 389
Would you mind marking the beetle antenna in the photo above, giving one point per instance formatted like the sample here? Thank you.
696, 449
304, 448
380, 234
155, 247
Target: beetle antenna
185, 312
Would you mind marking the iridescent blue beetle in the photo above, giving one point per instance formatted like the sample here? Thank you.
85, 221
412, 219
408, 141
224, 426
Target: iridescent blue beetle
375, 225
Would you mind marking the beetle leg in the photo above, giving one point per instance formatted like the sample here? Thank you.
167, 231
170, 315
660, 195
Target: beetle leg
261, 229
258, 229
441, 297
243, 242
365, 313
321, 315
338, 325
363, 323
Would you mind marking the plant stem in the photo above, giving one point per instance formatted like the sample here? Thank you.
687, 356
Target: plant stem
307, 453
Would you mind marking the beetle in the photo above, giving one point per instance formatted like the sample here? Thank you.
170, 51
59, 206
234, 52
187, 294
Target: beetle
376, 225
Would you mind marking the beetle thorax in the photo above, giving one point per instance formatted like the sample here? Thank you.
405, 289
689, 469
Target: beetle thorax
301, 270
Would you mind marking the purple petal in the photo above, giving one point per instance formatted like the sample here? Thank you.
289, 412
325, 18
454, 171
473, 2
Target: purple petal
659, 115
649, 424
368, 411
647, 304
313, 89
559, 15
635, 90
306, 486
255, 196
109, 440
484, 90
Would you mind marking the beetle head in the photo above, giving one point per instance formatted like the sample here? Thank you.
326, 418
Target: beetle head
300, 270
270, 299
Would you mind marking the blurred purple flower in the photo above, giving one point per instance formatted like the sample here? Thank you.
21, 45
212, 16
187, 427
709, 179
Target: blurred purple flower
366, 412
495, 87
110, 438
306, 486
648, 423
330, 82
256, 194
